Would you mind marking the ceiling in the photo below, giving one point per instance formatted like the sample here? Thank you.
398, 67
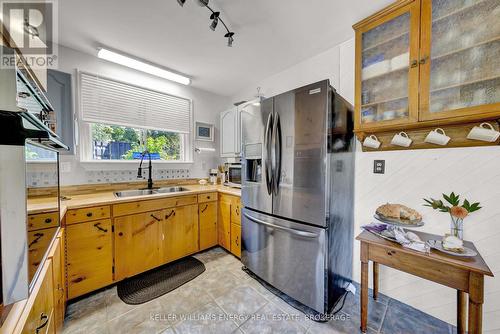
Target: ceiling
271, 35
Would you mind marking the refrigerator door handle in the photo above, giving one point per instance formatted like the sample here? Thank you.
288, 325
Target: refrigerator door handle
267, 142
286, 229
277, 152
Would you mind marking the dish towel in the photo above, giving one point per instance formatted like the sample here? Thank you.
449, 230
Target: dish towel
410, 240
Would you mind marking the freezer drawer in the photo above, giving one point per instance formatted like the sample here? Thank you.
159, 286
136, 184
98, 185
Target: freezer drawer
288, 255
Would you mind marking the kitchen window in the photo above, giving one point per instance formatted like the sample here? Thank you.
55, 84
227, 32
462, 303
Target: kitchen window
119, 121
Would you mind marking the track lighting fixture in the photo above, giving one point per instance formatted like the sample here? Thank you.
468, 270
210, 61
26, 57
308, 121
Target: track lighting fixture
215, 17
230, 38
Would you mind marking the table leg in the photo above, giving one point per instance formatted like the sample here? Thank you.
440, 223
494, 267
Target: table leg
476, 298
461, 311
375, 280
364, 286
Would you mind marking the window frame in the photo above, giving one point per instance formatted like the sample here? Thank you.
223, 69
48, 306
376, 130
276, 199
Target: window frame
84, 135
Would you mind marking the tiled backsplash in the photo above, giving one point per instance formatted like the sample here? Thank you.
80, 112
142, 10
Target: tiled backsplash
44, 179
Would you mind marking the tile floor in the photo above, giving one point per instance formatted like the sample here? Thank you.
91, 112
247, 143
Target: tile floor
224, 299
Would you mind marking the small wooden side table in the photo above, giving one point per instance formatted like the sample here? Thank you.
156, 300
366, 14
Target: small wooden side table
466, 275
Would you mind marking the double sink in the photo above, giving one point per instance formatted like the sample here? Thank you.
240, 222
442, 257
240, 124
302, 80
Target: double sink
146, 192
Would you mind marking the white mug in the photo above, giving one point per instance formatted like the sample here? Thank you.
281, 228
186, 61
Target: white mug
401, 139
372, 142
484, 132
438, 137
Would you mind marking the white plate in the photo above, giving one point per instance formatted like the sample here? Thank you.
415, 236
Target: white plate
437, 244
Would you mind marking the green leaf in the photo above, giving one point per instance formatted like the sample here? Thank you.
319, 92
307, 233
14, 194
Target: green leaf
448, 198
466, 205
428, 201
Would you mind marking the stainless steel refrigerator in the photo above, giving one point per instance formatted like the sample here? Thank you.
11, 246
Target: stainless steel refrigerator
297, 193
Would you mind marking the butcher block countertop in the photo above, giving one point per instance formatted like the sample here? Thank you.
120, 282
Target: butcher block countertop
46, 205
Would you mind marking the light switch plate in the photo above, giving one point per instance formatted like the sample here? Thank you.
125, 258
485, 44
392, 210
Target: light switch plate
379, 166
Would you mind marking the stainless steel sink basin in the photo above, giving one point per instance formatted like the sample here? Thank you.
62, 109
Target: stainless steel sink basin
138, 192
171, 190
146, 192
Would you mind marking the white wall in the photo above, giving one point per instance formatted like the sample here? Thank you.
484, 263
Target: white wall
206, 108
410, 176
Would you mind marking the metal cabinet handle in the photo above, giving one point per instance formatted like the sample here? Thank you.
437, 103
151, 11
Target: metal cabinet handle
23, 95
38, 237
48, 220
287, 229
45, 319
237, 241
423, 60
414, 63
98, 226
237, 210
156, 218
203, 210
89, 214
170, 214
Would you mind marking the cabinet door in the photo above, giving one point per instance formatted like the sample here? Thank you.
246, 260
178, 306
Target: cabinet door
236, 239
89, 256
38, 244
179, 232
387, 50
58, 283
460, 63
137, 243
208, 224
224, 223
230, 132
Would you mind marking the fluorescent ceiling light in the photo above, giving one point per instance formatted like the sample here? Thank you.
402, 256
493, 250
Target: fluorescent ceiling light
142, 66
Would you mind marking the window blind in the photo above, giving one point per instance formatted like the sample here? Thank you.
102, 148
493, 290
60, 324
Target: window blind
108, 101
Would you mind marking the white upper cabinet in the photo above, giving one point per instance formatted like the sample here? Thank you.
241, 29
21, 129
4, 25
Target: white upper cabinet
230, 133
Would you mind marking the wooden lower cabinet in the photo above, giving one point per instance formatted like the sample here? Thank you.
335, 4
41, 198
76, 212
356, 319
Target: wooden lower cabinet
179, 233
59, 277
40, 314
236, 239
137, 244
89, 256
208, 224
229, 224
38, 244
224, 223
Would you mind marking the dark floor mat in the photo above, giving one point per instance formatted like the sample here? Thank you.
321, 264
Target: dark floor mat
157, 282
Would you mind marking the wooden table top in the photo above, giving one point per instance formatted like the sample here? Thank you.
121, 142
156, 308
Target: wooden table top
475, 263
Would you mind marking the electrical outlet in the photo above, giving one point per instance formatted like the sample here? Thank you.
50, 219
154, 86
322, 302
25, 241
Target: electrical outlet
379, 166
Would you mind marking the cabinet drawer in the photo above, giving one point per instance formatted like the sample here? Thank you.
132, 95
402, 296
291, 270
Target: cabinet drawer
87, 214
123, 209
42, 308
208, 197
420, 266
89, 257
43, 220
235, 211
236, 240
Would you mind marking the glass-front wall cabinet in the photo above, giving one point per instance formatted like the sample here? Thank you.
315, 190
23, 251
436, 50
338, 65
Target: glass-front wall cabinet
460, 53
428, 60
386, 75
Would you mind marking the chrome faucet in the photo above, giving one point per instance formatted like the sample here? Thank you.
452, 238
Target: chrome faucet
150, 167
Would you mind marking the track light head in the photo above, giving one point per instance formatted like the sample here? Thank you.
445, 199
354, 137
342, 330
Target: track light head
230, 38
215, 19
181, 2
203, 3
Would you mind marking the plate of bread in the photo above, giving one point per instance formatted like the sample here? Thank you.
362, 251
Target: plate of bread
398, 215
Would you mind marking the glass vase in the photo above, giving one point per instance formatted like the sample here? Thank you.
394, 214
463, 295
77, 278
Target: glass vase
457, 227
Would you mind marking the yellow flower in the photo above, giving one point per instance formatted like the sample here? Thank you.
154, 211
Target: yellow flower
459, 212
